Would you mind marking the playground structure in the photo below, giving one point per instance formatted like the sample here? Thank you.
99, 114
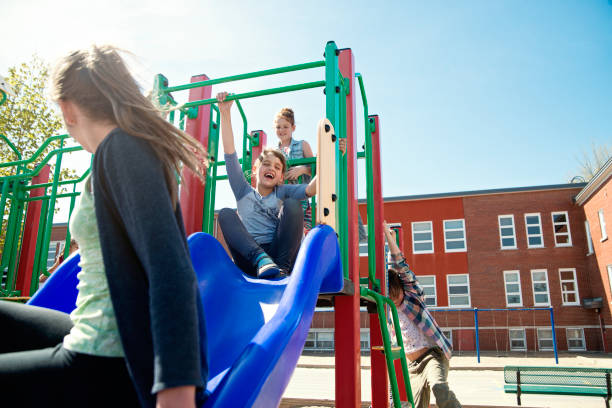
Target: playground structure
30, 200
197, 117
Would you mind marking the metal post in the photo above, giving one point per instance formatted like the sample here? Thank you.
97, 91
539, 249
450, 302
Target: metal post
211, 174
476, 328
192, 190
346, 335
26, 273
552, 325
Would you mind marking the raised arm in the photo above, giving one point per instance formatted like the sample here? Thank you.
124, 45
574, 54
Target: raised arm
396, 253
227, 134
311, 188
407, 277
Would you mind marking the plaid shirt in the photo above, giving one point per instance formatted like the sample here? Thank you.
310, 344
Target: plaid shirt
413, 305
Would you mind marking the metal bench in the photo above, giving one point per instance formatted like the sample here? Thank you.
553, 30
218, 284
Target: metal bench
581, 381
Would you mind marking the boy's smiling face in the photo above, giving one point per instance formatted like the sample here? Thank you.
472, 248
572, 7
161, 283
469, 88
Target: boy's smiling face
270, 173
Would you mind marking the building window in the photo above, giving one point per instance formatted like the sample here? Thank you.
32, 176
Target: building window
364, 338
454, 236
569, 287
363, 245
588, 237
545, 340
517, 339
323, 340
448, 333
422, 237
602, 225
539, 280
610, 276
507, 236
54, 248
512, 281
458, 290
428, 284
320, 340
533, 226
363, 248
575, 339
561, 229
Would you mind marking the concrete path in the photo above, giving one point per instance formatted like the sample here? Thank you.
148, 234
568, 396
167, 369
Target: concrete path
474, 384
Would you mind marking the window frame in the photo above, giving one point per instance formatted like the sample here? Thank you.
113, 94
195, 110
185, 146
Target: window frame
524, 337
56, 247
364, 244
419, 278
520, 292
609, 268
539, 338
567, 223
448, 286
589, 238
547, 288
541, 234
414, 251
602, 225
450, 332
462, 229
575, 282
582, 339
501, 237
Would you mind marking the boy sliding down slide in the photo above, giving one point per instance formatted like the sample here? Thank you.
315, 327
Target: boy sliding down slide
264, 235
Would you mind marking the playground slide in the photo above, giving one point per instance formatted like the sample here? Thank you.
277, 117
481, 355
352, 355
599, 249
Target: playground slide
256, 328
59, 292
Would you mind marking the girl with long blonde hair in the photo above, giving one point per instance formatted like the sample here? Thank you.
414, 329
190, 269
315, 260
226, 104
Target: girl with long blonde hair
137, 335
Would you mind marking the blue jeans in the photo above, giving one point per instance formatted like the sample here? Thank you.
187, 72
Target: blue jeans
284, 247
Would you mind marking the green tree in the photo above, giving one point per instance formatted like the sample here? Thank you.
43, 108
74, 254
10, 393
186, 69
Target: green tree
27, 119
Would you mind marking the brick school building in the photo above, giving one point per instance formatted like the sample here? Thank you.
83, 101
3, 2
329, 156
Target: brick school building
520, 251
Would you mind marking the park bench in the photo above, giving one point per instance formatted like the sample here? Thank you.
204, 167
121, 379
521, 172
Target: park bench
581, 381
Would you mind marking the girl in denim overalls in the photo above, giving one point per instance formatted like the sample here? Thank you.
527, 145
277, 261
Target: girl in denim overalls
284, 123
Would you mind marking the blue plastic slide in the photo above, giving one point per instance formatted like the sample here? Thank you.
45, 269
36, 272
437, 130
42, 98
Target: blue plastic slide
256, 328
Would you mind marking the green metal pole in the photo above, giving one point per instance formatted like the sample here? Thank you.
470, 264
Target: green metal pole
49, 225
332, 112
368, 125
11, 238
254, 94
246, 164
249, 75
210, 188
39, 152
44, 211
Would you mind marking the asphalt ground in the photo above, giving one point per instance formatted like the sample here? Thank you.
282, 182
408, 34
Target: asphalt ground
475, 384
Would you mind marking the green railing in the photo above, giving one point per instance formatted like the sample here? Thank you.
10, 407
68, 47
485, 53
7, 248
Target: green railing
15, 198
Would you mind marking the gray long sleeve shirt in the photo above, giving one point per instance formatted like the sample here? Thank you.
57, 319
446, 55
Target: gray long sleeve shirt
259, 214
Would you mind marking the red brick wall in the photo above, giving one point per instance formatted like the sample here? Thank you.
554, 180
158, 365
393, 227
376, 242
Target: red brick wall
602, 257
438, 263
487, 261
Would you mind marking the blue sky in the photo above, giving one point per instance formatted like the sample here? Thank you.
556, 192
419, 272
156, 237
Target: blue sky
471, 94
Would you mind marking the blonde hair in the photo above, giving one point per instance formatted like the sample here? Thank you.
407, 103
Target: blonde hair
287, 114
268, 150
99, 82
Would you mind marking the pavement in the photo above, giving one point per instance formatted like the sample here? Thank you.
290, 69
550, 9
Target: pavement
475, 384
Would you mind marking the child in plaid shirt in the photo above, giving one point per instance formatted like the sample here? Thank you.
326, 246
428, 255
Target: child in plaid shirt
427, 349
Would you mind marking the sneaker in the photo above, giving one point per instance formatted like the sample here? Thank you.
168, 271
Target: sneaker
268, 271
